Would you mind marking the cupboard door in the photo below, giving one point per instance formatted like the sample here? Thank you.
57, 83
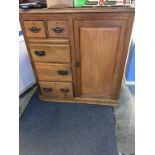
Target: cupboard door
98, 45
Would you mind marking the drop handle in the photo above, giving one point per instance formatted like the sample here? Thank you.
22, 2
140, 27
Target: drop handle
34, 29
63, 72
47, 90
64, 90
40, 53
58, 29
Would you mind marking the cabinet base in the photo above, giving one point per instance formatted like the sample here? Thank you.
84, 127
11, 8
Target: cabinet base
108, 102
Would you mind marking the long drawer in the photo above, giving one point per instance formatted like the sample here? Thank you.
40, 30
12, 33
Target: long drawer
54, 72
50, 53
56, 89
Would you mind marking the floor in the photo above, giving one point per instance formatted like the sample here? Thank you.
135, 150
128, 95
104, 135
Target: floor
125, 119
24, 100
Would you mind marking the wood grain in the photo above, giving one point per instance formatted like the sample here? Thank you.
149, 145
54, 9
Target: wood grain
51, 24
98, 58
53, 53
125, 51
49, 40
108, 28
77, 100
38, 24
103, 54
50, 72
81, 10
56, 89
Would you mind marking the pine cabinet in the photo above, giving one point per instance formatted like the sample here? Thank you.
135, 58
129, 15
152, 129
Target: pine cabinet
78, 55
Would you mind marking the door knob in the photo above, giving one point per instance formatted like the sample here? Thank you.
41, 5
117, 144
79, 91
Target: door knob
77, 64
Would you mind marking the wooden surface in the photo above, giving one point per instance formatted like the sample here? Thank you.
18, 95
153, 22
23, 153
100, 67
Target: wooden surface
100, 69
98, 39
77, 100
81, 10
39, 24
61, 24
125, 52
98, 60
60, 41
56, 89
49, 72
53, 53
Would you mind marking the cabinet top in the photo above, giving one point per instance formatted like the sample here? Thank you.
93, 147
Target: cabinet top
81, 10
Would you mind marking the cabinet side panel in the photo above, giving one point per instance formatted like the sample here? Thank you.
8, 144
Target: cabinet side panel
98, 46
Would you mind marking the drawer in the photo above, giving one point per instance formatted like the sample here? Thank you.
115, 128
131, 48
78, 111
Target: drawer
56, 89
35, 29
54, 72
50, 53
57, 28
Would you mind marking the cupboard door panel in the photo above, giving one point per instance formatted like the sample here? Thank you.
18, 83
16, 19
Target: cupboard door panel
98, 55
98, 46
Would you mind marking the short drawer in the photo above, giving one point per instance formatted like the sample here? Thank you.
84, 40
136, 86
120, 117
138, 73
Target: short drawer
50, 53
56, 89
35, 29
54, 72
57, 28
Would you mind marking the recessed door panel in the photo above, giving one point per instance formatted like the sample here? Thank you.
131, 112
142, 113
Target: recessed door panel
98, 45
98, 56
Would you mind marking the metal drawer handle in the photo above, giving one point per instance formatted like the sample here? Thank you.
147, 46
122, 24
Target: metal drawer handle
47, 90
40, 53
62, 72
34, 29
58, 29
64, 90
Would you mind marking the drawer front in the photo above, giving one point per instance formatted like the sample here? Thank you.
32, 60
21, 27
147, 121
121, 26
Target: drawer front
54, 72
50, 53
56, 89
35, 29
57, 28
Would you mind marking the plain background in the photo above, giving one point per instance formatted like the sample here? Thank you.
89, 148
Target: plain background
145, 77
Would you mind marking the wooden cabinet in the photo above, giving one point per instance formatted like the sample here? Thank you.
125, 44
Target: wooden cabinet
78, 55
